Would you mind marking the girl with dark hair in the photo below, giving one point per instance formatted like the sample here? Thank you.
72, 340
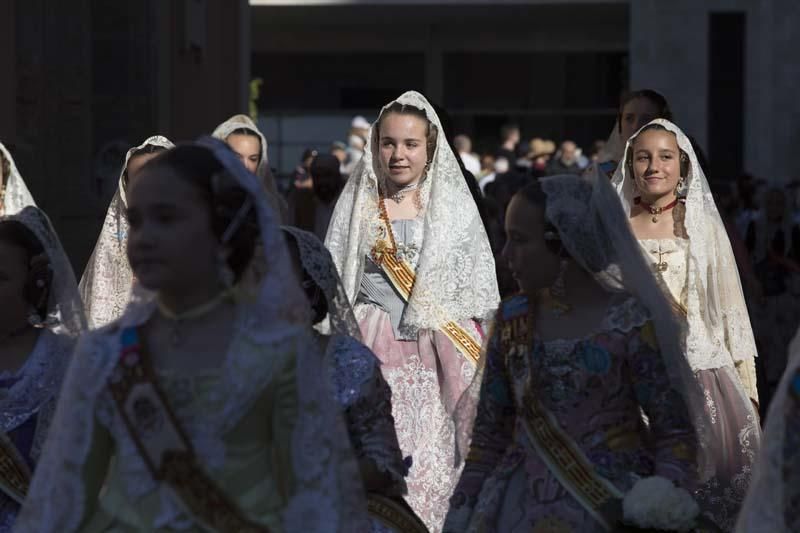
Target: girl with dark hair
40, 319
670, 210
559, 442
208, 392
636, 109
107, 281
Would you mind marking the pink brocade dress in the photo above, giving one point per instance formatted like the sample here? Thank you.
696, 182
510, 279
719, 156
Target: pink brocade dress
427, 375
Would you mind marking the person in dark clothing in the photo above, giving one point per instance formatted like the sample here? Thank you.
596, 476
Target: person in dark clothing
565, 161
509, 138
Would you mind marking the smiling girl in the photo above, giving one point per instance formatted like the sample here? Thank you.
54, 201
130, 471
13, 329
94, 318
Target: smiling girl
673, 215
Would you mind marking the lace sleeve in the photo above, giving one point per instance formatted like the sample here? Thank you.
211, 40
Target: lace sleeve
367, 400
674, 440
491, 436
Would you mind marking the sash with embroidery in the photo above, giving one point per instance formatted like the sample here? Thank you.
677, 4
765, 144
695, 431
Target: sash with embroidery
563, 457
402, 278
163, 444
15, 476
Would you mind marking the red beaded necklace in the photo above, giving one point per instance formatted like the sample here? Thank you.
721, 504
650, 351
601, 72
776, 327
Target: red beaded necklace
655, 211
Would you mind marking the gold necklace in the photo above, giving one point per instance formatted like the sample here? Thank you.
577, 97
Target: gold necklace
195, 312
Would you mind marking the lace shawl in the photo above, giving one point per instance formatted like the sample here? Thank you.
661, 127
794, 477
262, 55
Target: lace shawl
328, 496
36, 390
40, 379
366, 398
717, 315
318, 263
455, 275
773, 500
17, 194
107, 280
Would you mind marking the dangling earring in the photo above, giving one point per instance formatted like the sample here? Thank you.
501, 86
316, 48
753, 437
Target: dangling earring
679, 187
224, 272
554, 296
559, 287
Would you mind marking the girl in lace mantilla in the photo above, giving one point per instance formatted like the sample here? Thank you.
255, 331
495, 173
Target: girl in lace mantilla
41, 318
671, 211
416, 263
582, 352
207, 393
107, 281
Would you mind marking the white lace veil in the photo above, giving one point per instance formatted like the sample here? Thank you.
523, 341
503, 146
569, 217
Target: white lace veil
243, 122
717, 303
595, 233
64, 308
38, 387
455, 275
328, 494
17, 194
107, 280
763, 508
317, 261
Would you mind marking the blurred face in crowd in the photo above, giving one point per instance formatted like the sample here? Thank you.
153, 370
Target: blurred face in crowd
656, 164
248, 148
13, 275
171, 246
135, 165
532, 263
463, 144
635, 114
403, 147
568, 152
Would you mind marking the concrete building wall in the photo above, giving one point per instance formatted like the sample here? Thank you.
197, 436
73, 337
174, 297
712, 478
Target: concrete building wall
669, 51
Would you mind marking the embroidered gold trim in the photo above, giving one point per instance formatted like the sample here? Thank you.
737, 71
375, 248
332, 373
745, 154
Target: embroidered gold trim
556, 448
402, 277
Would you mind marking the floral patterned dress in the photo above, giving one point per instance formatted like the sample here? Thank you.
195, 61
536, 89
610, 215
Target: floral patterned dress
596, 388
